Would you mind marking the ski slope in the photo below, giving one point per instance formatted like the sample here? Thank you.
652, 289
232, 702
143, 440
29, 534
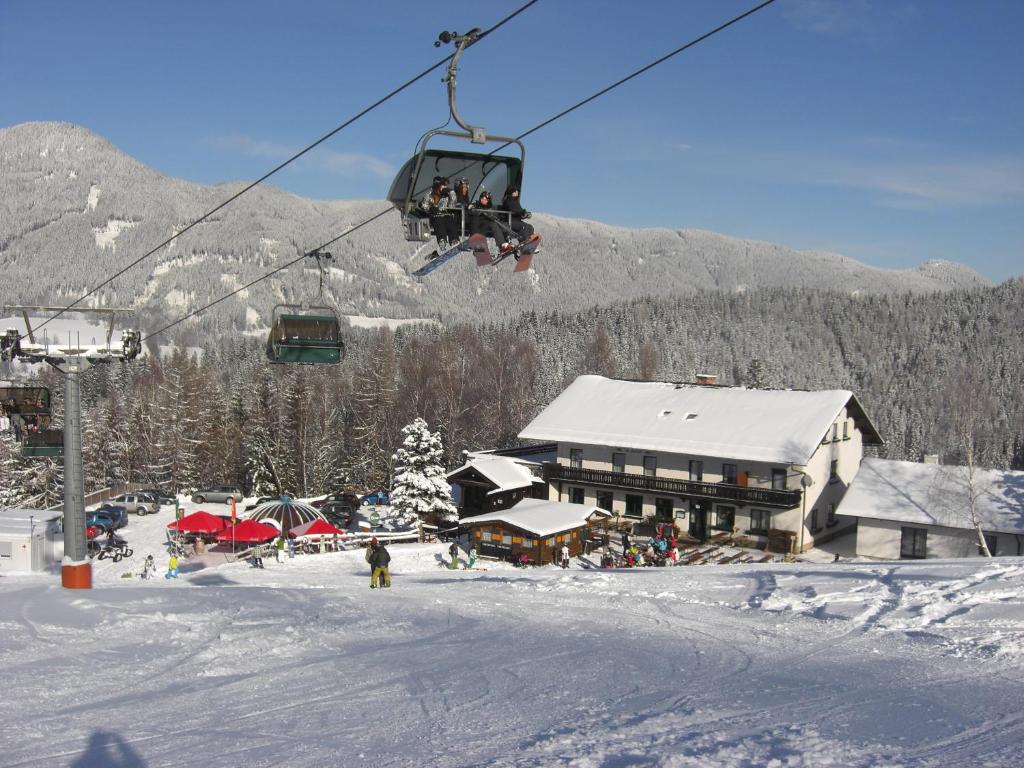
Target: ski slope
849, 664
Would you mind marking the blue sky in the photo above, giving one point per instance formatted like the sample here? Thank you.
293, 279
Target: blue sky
890, 131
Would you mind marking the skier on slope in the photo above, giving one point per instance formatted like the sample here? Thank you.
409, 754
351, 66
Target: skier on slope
379, 562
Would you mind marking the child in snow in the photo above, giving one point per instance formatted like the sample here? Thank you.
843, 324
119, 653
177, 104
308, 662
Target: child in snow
472, 559
565, 555
149, 568
453, 551
257, 556
280, 549
172, 568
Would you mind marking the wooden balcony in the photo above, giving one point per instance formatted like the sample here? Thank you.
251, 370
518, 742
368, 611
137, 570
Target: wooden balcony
724, 492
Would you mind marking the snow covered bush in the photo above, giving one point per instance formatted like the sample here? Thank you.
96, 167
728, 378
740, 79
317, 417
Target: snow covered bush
420, 488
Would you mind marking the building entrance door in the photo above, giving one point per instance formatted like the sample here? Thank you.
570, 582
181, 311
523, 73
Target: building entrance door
663, 510
699, 520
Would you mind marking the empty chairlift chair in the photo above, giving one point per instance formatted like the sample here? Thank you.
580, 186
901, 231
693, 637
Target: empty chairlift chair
309, 335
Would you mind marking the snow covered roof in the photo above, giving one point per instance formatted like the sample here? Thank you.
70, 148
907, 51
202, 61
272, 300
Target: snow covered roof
935, 494
506, 473
22, 520
540, 516
774, 426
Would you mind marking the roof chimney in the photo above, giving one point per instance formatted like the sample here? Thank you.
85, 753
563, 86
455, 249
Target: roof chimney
708, 379
930, 458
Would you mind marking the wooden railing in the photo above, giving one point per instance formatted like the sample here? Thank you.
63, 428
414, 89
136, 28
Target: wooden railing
766, 497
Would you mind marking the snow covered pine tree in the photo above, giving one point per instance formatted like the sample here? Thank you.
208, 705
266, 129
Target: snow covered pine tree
420, 489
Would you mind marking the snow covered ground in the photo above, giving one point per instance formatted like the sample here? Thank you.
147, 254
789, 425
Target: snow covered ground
849, 664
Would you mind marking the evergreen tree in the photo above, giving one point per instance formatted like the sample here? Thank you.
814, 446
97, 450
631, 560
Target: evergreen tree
421, 490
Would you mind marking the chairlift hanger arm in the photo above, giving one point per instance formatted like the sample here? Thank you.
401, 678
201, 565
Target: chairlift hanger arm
476, 134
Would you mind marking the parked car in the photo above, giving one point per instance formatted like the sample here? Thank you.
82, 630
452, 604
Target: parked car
161, 496
382, 498
219, 493
100, 520
350, 499
137, 502
117, 512
261, 500
338, 513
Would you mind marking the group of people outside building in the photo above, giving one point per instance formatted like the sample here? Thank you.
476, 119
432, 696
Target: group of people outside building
454, 214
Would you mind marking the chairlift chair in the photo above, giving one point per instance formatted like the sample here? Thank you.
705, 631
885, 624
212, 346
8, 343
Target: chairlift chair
47, 442
495, 173
304, 334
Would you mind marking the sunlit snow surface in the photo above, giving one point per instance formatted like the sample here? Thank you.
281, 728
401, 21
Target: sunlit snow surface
916, 664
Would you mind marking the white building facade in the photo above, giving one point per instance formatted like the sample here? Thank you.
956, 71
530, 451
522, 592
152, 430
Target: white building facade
708, 458
908, 510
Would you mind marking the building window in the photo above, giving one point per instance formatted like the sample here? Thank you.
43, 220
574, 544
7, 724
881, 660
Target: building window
619, 462
830, 517
814, 521
697, 471
663, 510
833, 471
576, 458
913, 543
779, 479
760, 520
634, 506
486, 536
506, 539
604, 500
575, 495
725, 518
846, 430
729, 473
650, 466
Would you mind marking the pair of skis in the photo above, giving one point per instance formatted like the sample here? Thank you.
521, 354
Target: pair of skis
477, 243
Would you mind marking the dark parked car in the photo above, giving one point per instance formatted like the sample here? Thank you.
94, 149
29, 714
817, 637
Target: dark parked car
377, 497
218, 493
338, 513
350, 499
161, 496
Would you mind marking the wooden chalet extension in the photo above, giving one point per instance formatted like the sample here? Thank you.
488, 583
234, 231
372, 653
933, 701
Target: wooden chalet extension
537, 528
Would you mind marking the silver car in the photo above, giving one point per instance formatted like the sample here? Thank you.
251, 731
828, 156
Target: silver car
218, 493
140, 504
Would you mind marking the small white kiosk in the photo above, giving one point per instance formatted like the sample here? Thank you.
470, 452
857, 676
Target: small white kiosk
30, 539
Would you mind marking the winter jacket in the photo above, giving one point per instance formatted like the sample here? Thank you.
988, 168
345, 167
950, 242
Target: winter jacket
453, 550
446, 201
380, 557
515, 207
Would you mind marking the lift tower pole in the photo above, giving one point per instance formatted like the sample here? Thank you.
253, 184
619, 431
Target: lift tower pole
76, 570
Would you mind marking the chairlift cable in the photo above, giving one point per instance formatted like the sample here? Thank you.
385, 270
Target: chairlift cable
282, 165
536, 128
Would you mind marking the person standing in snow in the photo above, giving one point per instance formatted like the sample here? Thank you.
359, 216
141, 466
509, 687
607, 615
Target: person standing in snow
472, 558
291, 549
380, 563
257, 556
453, 552
149, 568
625, 543
565, 555
279, 548
172, 568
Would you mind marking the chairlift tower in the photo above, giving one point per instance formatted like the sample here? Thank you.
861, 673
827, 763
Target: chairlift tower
72, 359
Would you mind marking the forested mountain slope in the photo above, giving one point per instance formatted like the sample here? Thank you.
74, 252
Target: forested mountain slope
74, 209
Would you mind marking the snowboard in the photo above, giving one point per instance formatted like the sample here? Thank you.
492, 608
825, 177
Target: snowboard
480, 250
442, 259
526, 252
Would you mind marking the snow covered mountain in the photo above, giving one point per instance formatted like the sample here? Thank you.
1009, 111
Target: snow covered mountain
74, 209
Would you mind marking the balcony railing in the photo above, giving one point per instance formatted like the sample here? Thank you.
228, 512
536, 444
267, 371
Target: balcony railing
740, 494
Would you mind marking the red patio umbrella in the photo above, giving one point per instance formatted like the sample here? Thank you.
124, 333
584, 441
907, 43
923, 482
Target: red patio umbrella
198, 522
315, 528
249, 532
